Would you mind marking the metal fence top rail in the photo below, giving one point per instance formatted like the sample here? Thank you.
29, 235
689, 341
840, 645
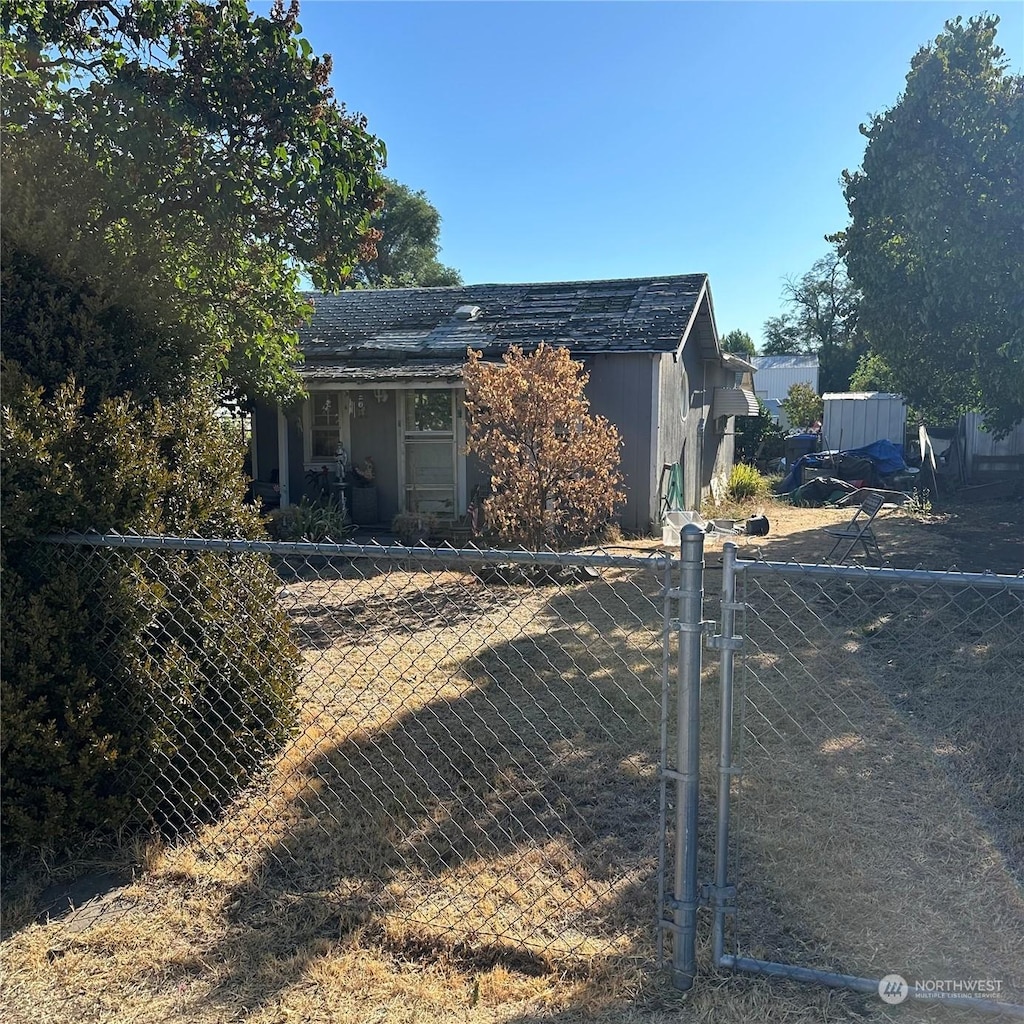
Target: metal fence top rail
597, 558
950, 577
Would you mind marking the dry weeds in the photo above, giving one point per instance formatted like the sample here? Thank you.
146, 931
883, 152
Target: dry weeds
465, 828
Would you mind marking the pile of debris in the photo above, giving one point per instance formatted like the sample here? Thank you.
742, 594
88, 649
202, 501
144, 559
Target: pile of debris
842, 477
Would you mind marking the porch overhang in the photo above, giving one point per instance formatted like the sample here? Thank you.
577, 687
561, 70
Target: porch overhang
381, 373
731, 361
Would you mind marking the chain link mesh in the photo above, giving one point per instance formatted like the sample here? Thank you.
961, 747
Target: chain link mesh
469, 743
878, 820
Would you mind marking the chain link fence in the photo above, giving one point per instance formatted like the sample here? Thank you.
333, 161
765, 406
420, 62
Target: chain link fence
562, 754
875, 760
471, 741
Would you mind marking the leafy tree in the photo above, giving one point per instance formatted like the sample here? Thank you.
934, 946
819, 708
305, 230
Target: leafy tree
822, 320
781, 337
407, 249
759, 438
803, 405
934, 242
738, 342
873, 374
137, 690
205, 154
554, 467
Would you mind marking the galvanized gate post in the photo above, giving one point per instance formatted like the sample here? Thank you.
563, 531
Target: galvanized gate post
687, 767
727, 644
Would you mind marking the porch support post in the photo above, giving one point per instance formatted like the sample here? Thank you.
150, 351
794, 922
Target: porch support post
282, 457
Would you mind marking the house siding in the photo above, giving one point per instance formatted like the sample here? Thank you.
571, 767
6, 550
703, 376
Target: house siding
296, 455
267, 455
699, 394
981, 444
620, 389
723, 450
703, 447
774, 379
672, 422
478, 478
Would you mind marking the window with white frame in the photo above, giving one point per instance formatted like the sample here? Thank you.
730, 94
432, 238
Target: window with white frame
325, 424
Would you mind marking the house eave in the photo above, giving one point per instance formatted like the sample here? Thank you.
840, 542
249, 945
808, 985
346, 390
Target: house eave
731, 361
382, 373
709, 345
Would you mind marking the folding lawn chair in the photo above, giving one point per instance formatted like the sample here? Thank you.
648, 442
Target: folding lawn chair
857, 531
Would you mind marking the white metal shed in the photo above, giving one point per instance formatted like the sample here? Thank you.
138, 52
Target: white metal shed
856, 418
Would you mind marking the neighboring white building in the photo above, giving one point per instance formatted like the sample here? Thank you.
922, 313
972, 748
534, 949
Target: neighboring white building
777, 374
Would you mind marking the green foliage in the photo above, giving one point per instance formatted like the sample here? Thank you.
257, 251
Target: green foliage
822, 320
781, 337
206, 157
554, 468
315, 521
934, 240
407, 250
746, 482
803, 405
758, 438
919, 506
739, 342
873, 374
73, 308
134, 686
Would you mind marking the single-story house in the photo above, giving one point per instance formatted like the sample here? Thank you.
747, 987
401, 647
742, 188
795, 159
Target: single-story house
383, 370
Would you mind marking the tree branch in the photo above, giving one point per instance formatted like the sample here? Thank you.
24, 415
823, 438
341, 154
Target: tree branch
42, 65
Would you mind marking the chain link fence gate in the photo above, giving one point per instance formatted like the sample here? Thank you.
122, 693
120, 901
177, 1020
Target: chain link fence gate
870, 806
483, 744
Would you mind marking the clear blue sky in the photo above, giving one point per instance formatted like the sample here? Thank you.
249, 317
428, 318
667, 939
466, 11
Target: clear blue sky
565, 141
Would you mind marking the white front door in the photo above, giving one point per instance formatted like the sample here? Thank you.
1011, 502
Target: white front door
429, 458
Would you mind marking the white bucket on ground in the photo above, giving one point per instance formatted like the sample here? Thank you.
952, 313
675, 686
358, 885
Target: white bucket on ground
674, 522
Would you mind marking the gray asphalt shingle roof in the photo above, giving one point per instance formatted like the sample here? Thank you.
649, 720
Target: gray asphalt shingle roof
648, 314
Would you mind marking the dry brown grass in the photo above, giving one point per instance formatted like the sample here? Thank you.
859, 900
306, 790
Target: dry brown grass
872, 809
457, 836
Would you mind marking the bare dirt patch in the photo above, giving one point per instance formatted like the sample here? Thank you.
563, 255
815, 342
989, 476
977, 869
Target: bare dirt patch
982, 536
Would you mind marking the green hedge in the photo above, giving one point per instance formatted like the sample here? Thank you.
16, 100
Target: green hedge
139, 689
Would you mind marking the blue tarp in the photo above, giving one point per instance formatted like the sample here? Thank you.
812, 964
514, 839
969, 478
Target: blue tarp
886, 457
